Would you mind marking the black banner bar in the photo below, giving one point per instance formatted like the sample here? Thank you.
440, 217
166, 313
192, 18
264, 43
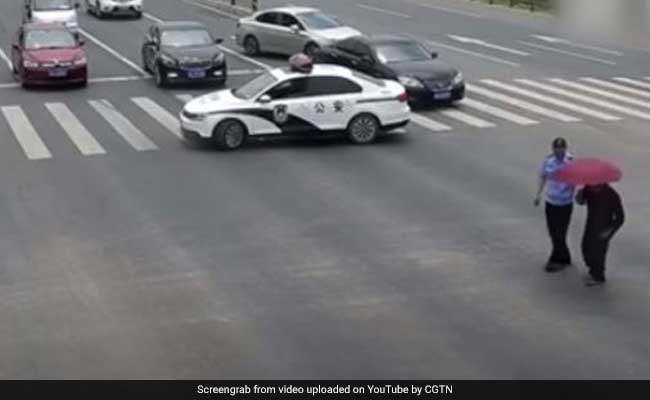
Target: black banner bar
325, 390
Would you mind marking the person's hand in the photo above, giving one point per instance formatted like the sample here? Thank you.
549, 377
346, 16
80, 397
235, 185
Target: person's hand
537, 201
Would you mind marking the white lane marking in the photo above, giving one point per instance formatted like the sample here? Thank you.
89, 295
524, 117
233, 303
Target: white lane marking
557, 102
567, 53
498, 112
475, 54
114, 53
467, 119
184, 97
152, 18
164, 117
429, 123
75, 130
614, 86
25, 133
122, 126
110, 79
604, 93
586, 99
383, 11
483, 43
237, 72
551, 39
450, 10
534, 108
6, 59
214, 10
9, 85
633, 82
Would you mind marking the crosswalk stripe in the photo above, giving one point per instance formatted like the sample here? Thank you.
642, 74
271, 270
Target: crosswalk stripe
184, 97
633, 82
429, 123
604, 93
75, 130
498, 112
25, 133
534, 108
122, 125
467, 119
164, 117
551, 100
621, 88
587, 99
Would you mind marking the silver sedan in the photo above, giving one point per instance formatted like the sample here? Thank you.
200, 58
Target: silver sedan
290, 30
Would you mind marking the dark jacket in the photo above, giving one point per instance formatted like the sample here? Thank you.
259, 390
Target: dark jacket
605, 214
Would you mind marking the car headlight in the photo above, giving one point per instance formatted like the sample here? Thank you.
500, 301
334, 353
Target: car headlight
458, 79
30, 64
80, 61
167, 60
194, 116
411, 82
218, 59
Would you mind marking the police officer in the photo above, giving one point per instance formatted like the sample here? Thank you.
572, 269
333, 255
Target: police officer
559, 204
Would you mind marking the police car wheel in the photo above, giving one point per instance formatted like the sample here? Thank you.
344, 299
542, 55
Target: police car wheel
230, 135
363, 129
251, 46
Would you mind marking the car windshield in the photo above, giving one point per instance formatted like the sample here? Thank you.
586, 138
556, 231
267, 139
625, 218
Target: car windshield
186, 37
48, 39
401, 52
255, 87
44, 5
318, 21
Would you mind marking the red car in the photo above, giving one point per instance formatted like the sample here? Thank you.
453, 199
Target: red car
44, 54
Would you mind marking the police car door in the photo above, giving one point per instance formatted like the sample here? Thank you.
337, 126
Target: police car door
289, 108
331, 102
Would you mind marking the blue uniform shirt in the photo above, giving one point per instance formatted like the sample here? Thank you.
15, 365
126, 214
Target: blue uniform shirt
557, 193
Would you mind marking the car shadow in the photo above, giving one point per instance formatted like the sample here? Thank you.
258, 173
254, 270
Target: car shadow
307, 143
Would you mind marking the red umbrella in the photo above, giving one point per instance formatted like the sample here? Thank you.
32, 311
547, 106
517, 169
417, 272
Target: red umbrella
589, 171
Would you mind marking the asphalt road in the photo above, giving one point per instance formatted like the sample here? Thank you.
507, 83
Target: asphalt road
418, 257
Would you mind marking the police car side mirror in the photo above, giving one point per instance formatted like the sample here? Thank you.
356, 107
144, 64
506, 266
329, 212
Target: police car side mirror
264, 99
295, 29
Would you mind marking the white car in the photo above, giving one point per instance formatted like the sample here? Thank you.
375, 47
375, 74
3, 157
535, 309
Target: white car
283, 101
52, 11
103, 8
289, 30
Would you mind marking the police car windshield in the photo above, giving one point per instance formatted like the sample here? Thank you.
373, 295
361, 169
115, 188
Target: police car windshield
49, 39
45, 5
186, 37
401, 52
318, 21
255, 87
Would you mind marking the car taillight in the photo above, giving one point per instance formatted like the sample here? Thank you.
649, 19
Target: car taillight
403, 98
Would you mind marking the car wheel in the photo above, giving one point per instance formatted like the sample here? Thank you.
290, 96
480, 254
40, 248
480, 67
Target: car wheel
230, 135
161, 81
363, 129
311, 49
251, 46
145, 65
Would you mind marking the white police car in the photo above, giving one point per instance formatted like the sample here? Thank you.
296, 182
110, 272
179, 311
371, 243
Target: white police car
316, 100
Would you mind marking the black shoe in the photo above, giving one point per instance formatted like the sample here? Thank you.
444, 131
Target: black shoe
590, 281
555, 267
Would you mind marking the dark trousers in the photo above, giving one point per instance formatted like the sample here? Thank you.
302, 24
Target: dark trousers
594, 251
558, 219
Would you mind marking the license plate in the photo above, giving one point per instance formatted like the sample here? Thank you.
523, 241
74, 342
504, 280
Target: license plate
58, 72
442, 96
196, 74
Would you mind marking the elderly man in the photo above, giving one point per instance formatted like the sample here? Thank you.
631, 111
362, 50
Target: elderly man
559, 204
